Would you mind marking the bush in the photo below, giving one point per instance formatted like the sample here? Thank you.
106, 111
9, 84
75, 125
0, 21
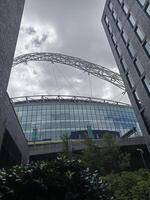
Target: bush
61, 179
106, 159
130, 185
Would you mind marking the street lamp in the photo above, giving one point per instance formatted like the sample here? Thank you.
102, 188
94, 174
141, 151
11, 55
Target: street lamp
142, 156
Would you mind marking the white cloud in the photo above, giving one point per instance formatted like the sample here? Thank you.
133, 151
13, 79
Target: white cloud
35, 38
69, 27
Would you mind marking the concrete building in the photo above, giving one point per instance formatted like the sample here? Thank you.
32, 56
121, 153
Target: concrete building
13, 145
127, 26
49, 117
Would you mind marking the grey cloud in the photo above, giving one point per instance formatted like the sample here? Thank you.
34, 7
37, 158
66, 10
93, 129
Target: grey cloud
37, 42
29, 30
80, 34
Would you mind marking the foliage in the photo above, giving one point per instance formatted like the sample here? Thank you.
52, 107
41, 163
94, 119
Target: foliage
61, 179
130, 185
66, 149
107, 159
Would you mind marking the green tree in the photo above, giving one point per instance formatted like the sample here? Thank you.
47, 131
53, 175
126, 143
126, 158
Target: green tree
107, 158
66, 146
130, 185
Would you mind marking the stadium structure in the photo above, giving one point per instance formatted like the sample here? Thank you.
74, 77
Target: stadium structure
49, 117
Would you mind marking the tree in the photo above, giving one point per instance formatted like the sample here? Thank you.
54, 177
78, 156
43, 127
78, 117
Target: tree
106, 159
129, 185
66, 146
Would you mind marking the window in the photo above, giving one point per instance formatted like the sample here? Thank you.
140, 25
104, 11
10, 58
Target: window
146, 82
109, 28
139, 33
124, 64
114, 15
106, 20
137, 99
131, 50
145, 120
130, 80
124, 36
148, 9
125, 8
114, 39
139, 66
110, 6
119, 24
142, 2
118, 51
120, 1
147, 47
132, 20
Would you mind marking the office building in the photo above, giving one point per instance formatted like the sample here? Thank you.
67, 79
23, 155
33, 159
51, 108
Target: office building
127, 27
13, 145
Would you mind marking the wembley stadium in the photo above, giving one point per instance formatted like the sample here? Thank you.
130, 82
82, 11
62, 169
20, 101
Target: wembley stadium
49, 117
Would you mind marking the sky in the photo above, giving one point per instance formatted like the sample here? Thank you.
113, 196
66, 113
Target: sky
71, 27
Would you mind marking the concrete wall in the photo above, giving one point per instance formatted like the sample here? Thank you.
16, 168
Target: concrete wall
9, 122
75, 145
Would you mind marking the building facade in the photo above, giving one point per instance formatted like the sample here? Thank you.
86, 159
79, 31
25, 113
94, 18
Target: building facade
13, 145
127, 26
50, 117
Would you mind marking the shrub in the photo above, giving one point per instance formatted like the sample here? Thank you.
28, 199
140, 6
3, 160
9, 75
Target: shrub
61, 179
130, 185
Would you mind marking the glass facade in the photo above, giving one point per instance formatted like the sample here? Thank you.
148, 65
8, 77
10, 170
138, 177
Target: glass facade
44, 119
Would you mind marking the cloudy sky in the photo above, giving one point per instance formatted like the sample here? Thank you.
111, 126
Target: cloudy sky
71, 27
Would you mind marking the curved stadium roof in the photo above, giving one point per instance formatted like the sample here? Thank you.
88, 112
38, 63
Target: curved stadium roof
23, 99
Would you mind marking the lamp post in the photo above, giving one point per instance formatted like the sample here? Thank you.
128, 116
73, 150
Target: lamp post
142, 156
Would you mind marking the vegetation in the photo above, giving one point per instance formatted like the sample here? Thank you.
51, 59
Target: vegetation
130, 185
66, 149
98, 175
107, 159
61, 179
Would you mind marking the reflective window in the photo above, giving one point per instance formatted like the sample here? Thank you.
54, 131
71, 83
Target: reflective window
148, 9
131, 50
139, 66
51, 120
137, 99
110, 29
114, 15
142, 2
110, 6
119, 24
125, 8
147, 47
146, 82
140, 33
114, 39
124, 36
132, 20
120, 1
146, 121
131, 82
118, 50
106, 20
125, 67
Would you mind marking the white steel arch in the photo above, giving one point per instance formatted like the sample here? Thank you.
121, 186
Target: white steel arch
91, 68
